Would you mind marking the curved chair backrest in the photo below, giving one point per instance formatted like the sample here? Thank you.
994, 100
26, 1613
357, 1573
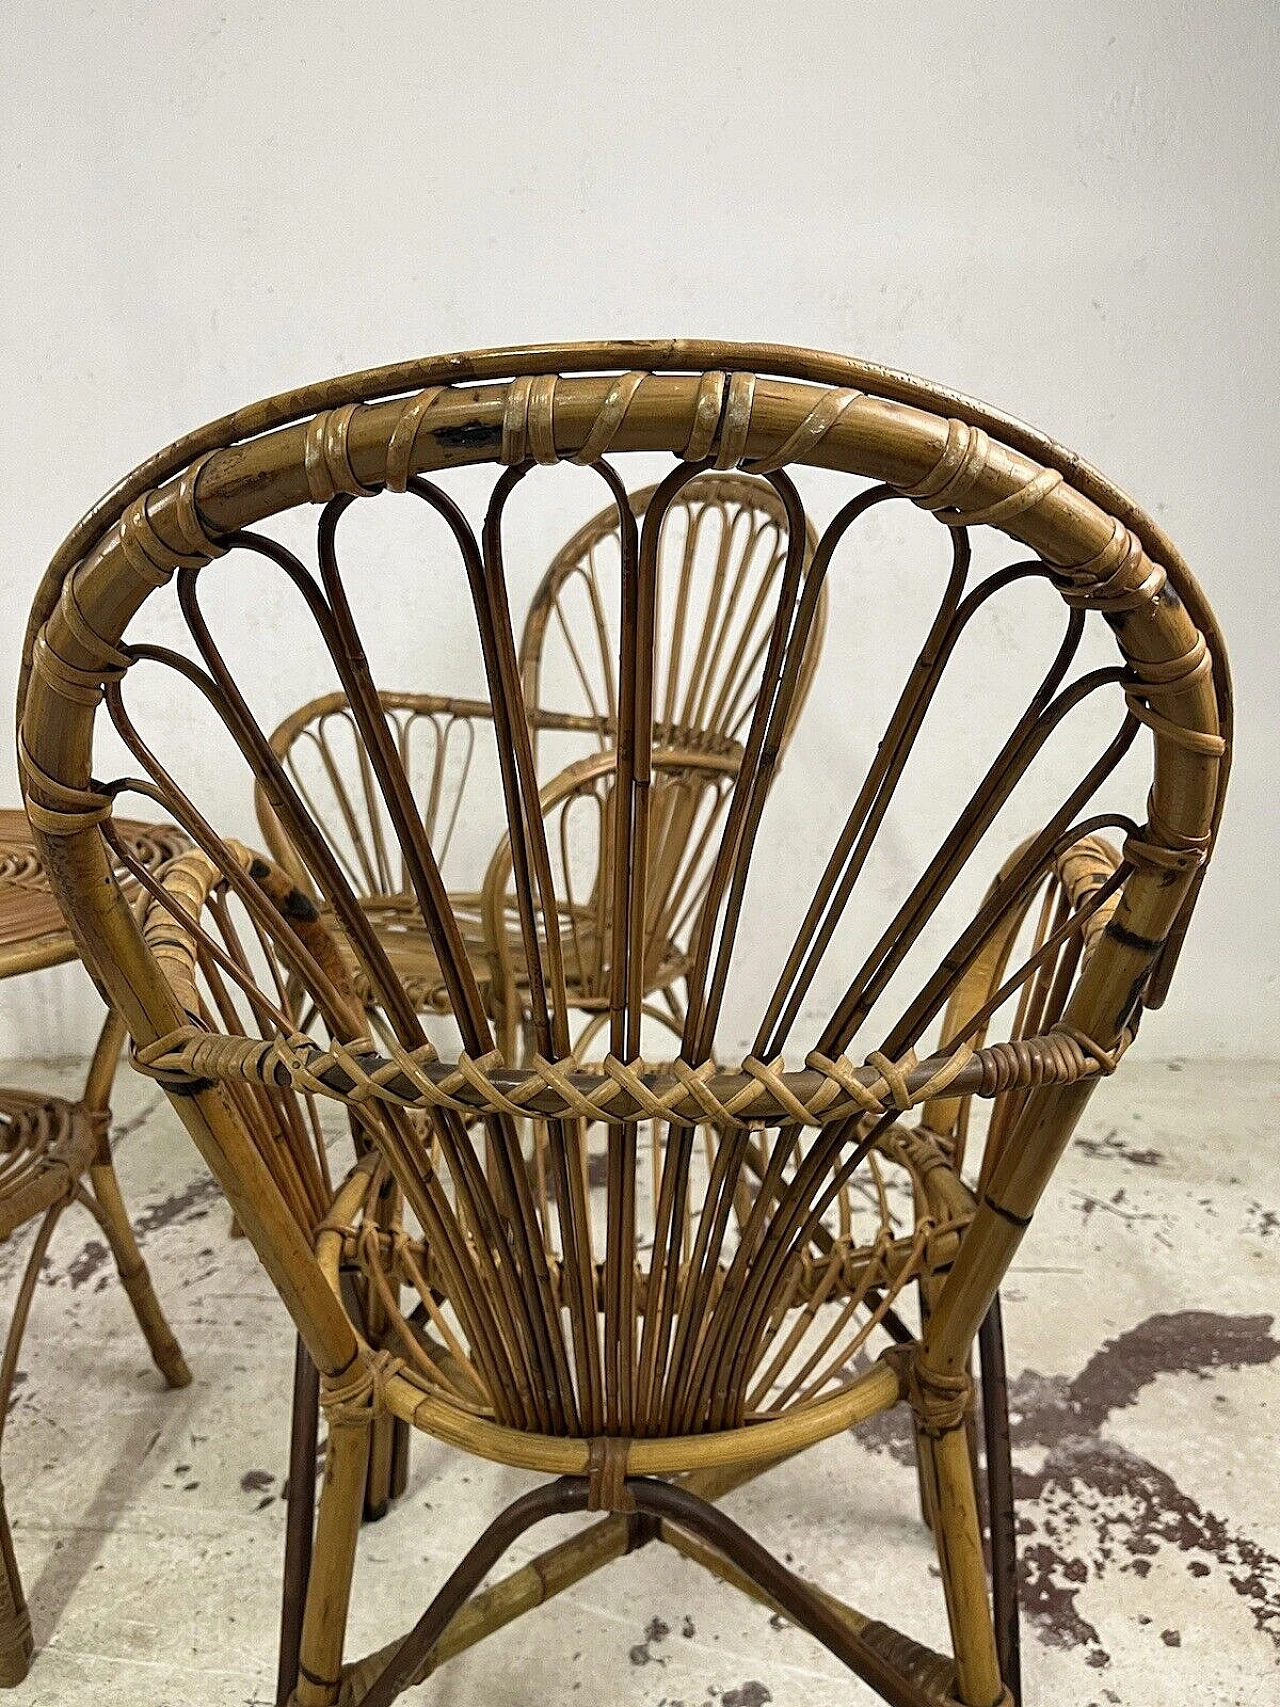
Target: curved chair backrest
565, 1351
722, 549
436, 738
689, 794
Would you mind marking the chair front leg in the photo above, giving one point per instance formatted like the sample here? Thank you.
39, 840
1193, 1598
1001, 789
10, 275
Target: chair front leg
16, 1645
300, 1518
324, 1620
1002, 1517
940, 1405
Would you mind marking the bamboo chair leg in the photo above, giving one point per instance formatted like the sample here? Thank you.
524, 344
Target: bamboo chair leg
377, 1492
1002, 1525
401, 1435
324, 1620
388, 1435
972, 1425
926, 1290
300, 1518
948, 1471
389, 1440
106, 1205
16, 1645
102, 1067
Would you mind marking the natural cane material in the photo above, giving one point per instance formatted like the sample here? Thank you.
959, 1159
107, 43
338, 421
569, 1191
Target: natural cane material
624, 1269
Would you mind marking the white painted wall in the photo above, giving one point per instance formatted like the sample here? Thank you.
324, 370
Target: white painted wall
1070, 211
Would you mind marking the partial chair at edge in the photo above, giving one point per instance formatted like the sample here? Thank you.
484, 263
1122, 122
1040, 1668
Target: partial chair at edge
644, 1335
54, 1153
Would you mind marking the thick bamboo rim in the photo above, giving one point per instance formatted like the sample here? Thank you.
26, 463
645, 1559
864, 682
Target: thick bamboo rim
678, 355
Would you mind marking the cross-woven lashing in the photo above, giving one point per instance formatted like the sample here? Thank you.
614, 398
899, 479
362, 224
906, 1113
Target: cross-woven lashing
618, 1092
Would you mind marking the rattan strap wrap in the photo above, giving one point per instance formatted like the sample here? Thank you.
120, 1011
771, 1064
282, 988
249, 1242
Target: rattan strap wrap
75, 809
607, 1472
358, 1396
1117, 578
404, 436
327, 456
932, 1671
1166, 680
1164, 849
940, 1398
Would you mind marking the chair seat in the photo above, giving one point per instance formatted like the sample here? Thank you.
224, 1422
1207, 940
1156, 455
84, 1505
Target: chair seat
33, 932
407, 943
46, 1144
408, 946
840, 1288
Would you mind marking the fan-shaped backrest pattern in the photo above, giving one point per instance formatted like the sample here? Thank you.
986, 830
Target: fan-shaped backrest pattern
323, 754
586, 1325
722, 547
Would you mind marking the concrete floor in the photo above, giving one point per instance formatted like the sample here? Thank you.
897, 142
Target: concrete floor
1147, 1402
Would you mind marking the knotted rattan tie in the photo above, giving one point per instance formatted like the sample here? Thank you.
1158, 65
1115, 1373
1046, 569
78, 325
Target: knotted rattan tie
358, 1396
1159, 846
938, 1398
607, 1475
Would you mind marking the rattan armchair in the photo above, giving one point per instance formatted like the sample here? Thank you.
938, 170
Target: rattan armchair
663, 1319
320, 753
721, 551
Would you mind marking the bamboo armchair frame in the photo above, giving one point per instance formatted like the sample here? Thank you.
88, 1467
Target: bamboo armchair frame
598, 1413
54, 1153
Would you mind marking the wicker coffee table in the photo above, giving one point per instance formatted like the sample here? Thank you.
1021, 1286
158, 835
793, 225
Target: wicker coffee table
54, 1152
